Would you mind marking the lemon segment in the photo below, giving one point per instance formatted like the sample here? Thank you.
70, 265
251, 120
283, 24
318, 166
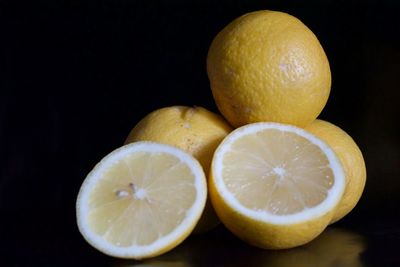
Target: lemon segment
275, 185
141, 200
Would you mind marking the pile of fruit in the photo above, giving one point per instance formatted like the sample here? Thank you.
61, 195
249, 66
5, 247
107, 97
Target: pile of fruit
271, 172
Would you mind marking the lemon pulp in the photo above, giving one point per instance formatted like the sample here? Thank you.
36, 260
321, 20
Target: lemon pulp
125, 195
264, 177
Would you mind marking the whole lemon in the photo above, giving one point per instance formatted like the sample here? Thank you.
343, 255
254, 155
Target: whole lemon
193, 129
352, 161
268, 66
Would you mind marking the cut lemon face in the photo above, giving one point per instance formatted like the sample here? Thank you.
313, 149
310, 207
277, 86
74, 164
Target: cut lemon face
141, 200
275, 185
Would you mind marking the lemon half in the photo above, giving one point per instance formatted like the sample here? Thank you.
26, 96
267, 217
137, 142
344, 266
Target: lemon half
141, 200
274, 185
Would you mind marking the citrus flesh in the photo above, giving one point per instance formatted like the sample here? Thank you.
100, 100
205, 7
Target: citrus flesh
352, 161
275, 185
193, 129
268, 66
141, 200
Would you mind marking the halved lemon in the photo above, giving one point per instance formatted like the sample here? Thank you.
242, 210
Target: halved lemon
141, 200
275, 185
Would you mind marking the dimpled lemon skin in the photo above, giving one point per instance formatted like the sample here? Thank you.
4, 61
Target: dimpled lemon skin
192, 129
352, 161
268, 66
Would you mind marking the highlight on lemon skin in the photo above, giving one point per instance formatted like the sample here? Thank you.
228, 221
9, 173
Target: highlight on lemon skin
193, 129
352, 161
141, 200
275, 186
268, 66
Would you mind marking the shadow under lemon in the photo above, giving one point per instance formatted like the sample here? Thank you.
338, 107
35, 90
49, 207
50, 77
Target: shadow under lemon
334, 247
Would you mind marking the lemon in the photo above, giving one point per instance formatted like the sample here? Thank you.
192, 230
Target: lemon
275, 185
193, 129
352, 161
141, 200
268, 66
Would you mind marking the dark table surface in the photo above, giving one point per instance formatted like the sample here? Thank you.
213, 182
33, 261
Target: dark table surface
76, 76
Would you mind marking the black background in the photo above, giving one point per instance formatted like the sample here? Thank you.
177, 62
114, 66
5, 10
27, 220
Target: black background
76, 76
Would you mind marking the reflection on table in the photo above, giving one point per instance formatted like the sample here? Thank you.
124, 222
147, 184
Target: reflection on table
334, 247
